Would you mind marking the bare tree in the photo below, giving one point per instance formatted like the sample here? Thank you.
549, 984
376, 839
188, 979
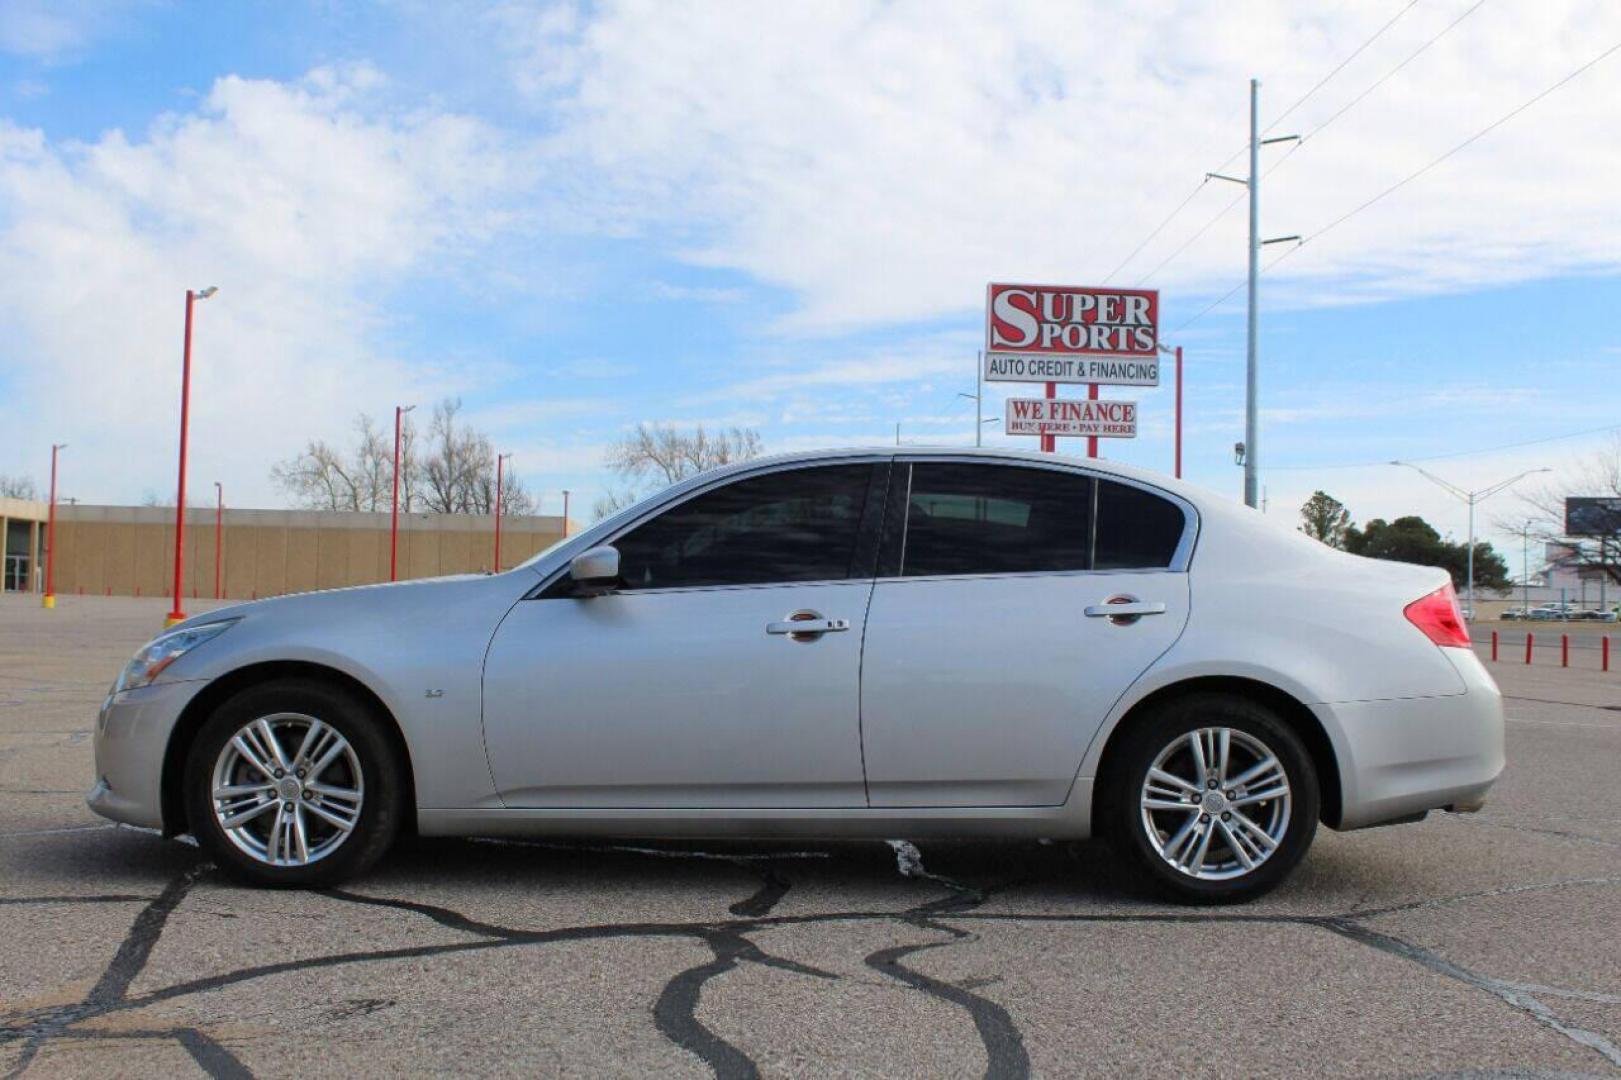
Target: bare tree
18, 487
458, 469
450, 471
658, 455
324, 477
1542, 511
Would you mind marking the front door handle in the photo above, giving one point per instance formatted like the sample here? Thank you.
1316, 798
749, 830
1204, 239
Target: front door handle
1113, 610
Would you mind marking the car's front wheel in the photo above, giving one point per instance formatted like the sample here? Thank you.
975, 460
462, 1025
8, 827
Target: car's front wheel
1214, 798
293, 783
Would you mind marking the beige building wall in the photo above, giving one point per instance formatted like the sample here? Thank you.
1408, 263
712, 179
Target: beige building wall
129, 550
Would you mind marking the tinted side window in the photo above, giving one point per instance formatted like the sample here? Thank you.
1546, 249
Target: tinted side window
795, 525
995, 519
1137, 530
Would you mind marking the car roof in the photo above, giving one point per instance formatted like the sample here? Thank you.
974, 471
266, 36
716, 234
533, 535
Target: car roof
996, 453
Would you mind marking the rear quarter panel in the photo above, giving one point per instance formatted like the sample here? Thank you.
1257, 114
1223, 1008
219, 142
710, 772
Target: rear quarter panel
1282, 609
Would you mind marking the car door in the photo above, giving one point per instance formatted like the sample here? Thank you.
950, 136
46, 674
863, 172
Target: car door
1015, 604
687, 687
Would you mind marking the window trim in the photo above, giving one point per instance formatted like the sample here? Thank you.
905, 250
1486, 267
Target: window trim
885, 468
1181, 558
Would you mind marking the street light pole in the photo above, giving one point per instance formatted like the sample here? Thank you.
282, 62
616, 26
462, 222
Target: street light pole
1472, 498
49, 599
500, 460
979, 400
177, 614
1525, 569
394, 509
219, 536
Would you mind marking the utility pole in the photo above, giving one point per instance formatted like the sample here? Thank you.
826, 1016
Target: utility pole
1252, 364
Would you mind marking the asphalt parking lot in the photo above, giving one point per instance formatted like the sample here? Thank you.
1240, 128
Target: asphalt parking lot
1465, 945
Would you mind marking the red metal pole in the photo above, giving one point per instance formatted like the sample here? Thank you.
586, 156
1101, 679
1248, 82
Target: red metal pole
1092, 440
500, 460
1179, 418
219, 536
1494, 646
1564, 650
1049, 443
49, 599
1529, 637
1604, 651
394, 512
178, 614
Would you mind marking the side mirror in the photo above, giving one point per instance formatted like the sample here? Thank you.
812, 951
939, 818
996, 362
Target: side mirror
595, 572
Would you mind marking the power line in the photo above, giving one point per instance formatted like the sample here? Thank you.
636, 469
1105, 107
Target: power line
1387, 76
1476, 137
1456, 454
1230, 293
1231, 157
1410, 177
1157, 230
1414, 55
1341, 66
1206, 227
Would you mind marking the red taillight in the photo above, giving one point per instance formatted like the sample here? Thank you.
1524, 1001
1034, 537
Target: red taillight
1438, 616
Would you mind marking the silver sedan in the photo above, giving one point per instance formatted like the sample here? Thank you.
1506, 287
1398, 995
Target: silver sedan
856, 643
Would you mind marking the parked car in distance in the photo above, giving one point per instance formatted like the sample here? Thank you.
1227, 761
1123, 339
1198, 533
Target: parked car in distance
1511, 614
1547, 613
867, 643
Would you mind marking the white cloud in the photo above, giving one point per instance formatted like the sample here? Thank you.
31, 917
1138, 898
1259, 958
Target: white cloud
701, 294
47, 29
303, 201
883, 161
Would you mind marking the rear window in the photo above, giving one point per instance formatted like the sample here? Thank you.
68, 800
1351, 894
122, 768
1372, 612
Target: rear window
1137, 530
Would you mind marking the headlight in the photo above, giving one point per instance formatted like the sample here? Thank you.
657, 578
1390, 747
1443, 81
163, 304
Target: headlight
163, 650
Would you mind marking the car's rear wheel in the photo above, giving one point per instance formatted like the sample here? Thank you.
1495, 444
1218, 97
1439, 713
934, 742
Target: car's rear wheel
1214, 798
293, 783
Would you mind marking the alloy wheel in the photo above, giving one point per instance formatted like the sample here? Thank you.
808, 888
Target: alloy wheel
287, 789
1216, 803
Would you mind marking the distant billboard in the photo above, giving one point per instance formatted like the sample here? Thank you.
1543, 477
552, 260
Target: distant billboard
1071, 334
1592, 515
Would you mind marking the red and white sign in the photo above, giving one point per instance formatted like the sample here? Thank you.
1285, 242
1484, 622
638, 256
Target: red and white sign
1056, 416
1071, 334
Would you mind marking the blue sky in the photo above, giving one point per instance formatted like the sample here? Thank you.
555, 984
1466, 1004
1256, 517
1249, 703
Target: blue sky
578, 217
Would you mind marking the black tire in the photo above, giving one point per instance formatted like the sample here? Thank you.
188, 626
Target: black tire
1123, 816
382, 807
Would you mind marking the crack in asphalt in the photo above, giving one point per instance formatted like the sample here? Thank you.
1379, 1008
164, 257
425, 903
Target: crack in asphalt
1561, 833
675, 1011
1515, 995
112, 989
103, 898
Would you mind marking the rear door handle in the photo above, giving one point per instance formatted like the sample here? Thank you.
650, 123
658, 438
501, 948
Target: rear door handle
1134, 607
807, 626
